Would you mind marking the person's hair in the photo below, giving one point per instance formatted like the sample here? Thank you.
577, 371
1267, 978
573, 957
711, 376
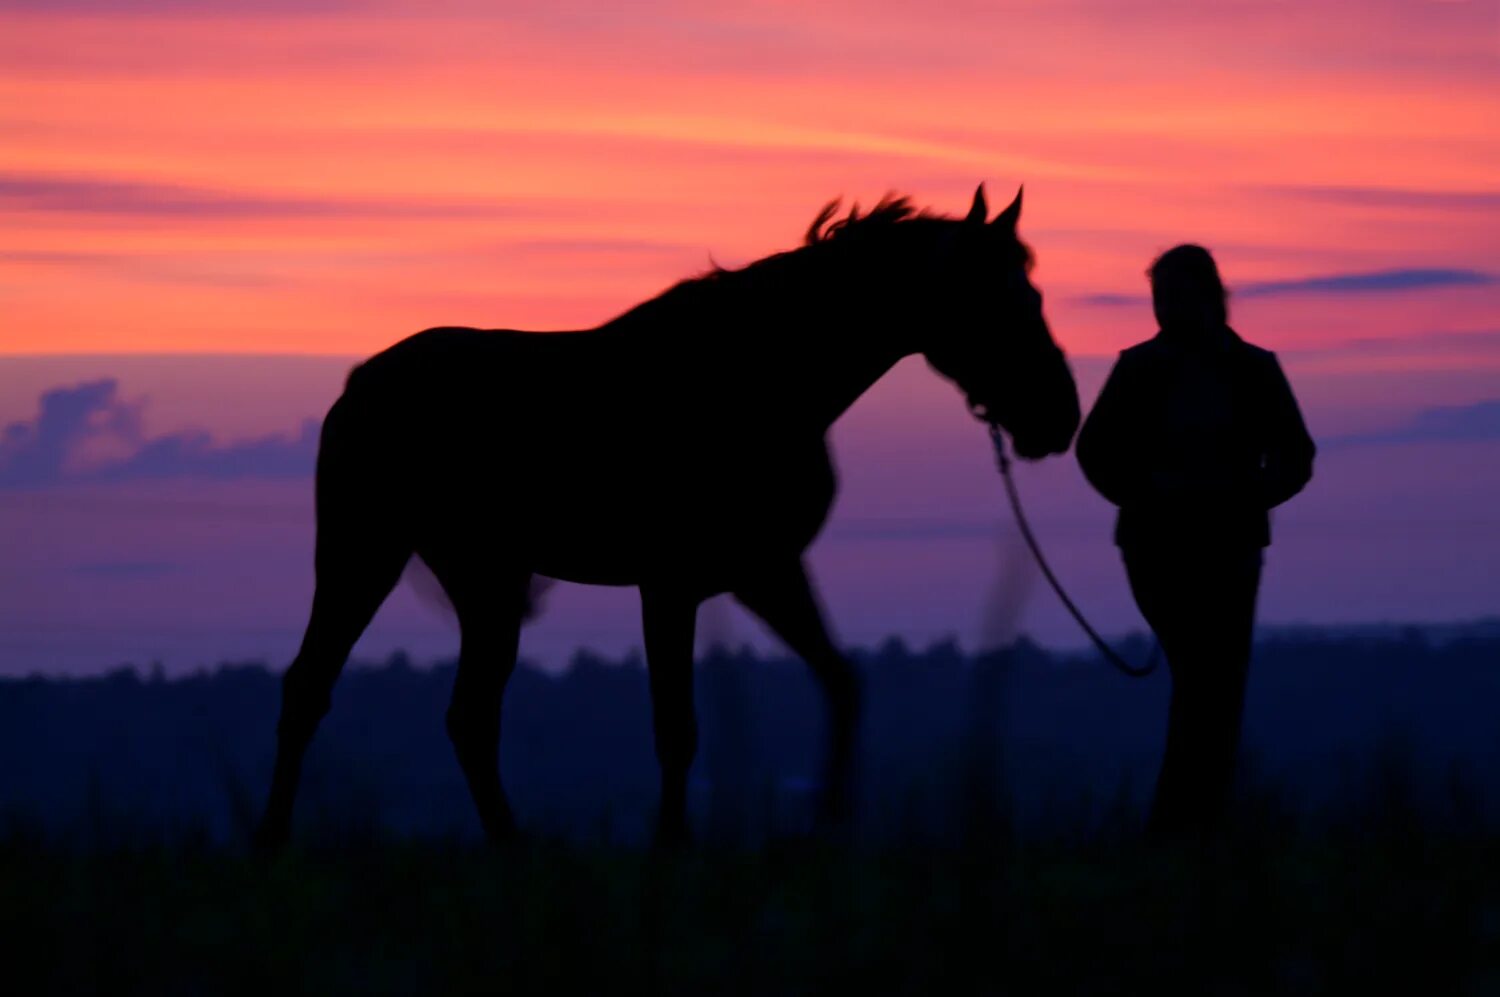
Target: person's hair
1185, 283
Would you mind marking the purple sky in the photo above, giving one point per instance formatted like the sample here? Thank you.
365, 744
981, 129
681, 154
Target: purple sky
159, 509
210, 209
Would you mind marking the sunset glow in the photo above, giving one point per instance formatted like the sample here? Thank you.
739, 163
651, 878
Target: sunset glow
327, 177
210, 209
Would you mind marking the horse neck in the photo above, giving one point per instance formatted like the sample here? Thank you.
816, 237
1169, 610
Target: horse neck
822, 341
795, 339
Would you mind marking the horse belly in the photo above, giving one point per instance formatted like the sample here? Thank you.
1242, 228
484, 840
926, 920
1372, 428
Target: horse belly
592, 543
597, 492
708, 536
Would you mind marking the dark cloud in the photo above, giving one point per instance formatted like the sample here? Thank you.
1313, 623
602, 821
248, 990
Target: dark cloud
1394, 197
1375, 281
643, 247
43, 192
58, 257
127, 570
1113, 300
1476, 422
1368, 282
68, 419
87, 433
1445, 343
909, 529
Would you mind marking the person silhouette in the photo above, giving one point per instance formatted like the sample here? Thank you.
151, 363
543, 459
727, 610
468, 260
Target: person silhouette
1195, 436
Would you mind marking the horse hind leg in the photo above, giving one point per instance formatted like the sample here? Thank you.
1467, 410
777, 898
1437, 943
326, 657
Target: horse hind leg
784, 598
669, 617
357, 563
491, 601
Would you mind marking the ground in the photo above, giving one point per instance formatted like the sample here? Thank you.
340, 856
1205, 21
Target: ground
1394, 909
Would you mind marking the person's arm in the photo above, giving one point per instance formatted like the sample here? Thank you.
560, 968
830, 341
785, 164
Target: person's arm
1289, 448
1102, 442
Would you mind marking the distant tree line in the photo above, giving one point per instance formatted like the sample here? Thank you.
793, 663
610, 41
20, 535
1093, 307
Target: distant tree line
953, 744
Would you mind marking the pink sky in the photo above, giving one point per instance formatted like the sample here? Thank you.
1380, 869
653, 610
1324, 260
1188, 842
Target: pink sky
325, 177
190, 570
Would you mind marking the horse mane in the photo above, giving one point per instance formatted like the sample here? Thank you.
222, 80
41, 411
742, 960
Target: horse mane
825, 228
891, 211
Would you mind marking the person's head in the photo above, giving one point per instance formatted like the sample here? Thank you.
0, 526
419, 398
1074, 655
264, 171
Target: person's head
1186, 291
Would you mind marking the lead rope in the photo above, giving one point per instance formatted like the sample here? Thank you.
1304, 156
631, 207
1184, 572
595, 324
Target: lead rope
1134, 671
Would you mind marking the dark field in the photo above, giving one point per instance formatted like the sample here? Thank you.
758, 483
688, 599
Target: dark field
1389, 910
997, 848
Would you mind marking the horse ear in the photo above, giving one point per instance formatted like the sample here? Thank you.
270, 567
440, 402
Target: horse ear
980, 210
1011, 215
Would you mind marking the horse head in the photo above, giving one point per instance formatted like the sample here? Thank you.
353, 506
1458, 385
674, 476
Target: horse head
990, 338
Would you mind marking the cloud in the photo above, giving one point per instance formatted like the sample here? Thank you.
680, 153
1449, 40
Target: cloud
1366, 282
1483, 341
41, 192
910, 529
1375, 281
55, 257
602, 246
86, 433
39, 452
1476, 422
126, 570
1393, 197
1113, 300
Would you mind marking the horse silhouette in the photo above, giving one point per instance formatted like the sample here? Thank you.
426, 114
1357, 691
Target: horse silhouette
681, 448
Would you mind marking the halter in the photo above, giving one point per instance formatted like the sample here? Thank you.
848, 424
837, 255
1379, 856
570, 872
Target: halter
1002, 460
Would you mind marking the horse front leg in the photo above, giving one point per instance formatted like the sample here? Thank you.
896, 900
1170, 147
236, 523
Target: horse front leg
784, 598
669, 617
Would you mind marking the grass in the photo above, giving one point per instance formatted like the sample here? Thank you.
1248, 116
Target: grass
1377, 909
1392, 887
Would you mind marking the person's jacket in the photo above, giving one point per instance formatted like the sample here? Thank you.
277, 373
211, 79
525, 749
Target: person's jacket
1195, 437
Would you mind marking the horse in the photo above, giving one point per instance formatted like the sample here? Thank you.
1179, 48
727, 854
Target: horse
680, 448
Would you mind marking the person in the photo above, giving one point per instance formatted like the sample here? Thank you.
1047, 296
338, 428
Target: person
1196, 435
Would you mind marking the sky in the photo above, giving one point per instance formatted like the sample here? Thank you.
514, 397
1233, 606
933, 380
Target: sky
210, 210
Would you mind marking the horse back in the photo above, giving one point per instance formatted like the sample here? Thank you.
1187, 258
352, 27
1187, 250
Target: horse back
593, 449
